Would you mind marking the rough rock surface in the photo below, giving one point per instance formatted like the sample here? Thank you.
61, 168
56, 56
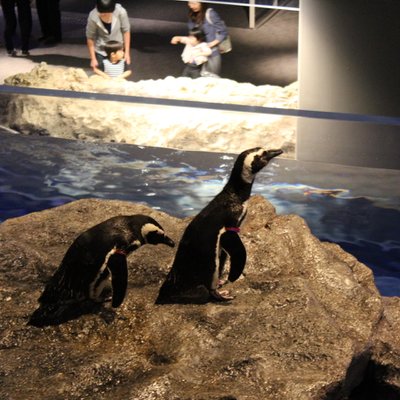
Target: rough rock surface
307, 322
385, 363
162, 126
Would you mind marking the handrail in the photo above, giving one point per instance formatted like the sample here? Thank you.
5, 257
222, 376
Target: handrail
251, 3
339, 116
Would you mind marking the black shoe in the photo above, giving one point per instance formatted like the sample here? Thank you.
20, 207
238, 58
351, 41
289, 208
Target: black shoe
12, 53
25, 53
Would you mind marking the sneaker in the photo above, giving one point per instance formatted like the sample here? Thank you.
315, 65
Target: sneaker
12, 53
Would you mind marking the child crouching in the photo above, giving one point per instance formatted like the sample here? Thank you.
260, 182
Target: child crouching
114, 65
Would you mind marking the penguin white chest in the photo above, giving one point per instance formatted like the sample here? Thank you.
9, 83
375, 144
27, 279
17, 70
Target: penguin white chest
98, 284
215, 278
244, 212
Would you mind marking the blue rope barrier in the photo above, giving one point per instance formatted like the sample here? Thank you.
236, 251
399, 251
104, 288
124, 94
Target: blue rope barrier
338, 116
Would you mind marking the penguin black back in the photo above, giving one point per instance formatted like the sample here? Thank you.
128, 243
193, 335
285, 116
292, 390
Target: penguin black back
83, 274
201, 254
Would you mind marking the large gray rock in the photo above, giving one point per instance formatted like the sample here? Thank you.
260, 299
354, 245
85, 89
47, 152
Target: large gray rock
385, 362
303, 324
174, 127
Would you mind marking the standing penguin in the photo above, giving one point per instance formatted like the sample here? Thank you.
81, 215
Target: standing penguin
212, 235
83, 274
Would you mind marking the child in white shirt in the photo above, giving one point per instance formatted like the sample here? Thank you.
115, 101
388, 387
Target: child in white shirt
195, 53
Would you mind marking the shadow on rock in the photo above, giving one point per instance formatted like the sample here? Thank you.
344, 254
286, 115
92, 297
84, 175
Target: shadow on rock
55, 314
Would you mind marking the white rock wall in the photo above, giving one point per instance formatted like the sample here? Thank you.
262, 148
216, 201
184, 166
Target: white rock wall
163, 126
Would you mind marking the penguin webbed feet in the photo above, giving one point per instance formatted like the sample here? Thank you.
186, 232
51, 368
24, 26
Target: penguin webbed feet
223, 295
105, 296
194, 295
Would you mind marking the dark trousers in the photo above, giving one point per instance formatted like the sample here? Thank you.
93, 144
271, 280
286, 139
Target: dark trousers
24, 21
192, 71
100, 58
50, 18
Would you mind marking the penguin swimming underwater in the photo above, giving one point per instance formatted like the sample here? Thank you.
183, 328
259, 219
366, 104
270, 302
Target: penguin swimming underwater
83, 274
213, 235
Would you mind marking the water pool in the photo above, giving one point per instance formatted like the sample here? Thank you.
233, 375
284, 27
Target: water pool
358, 208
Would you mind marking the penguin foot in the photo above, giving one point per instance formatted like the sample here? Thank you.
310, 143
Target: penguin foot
222, 295
222, 282
105, 296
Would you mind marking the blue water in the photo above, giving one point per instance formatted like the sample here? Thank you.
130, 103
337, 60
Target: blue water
358, 208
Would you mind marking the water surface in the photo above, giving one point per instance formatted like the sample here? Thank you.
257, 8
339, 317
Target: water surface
358, 208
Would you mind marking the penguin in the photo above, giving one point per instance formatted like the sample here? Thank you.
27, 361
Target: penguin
212, 236
82, 278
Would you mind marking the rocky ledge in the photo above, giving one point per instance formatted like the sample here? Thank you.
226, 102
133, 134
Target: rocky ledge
307, 321
162, 126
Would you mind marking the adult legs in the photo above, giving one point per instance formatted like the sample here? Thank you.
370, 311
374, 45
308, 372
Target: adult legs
25, 22
8, 7
50, 19
54, 21
213, 65
41, 8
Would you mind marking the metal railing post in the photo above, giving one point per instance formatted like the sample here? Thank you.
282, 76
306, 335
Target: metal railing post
252, 14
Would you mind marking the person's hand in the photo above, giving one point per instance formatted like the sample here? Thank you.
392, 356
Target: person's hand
175, 40
94, 63
213, 43
127, 58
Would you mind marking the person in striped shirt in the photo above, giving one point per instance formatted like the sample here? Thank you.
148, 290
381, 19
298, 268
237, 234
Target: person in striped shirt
114, 64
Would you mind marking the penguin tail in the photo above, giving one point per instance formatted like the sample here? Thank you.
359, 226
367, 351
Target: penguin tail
46, 314
196, 295
58, 313
174, 291
163, 296
166, 290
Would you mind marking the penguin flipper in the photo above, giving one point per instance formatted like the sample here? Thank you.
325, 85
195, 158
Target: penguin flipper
232, 244
119, 277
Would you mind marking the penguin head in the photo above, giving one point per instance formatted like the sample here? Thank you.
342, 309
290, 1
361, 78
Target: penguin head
253, 160
153, 233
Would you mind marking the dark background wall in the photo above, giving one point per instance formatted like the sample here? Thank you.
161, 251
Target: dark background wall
349, 61
266, 55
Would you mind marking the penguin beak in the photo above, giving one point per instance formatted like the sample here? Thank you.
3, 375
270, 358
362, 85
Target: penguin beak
270, 154
168, 241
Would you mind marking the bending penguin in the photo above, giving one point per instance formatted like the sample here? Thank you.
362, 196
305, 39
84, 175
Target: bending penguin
213, 235
82, 278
